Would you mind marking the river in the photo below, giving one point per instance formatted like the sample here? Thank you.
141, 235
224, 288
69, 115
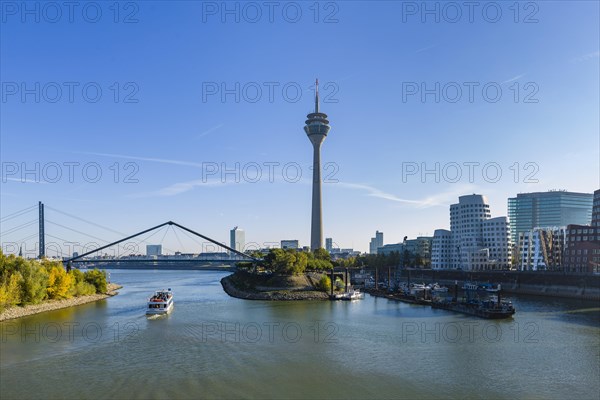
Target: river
215, 346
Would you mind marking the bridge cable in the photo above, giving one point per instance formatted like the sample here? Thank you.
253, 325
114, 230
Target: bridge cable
18, 213
179, 240
76, 231
16, 228
26, 238
86, 221
194, 239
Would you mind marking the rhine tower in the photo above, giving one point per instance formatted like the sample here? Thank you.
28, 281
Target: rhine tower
316, 128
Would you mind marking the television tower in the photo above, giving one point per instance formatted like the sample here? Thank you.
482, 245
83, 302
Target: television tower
316, 128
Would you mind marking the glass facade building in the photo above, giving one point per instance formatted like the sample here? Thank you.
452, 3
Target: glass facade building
546, 209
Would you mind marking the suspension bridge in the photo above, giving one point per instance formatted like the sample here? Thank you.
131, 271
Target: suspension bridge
124, 250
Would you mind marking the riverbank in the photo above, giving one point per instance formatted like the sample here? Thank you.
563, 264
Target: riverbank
50, 305
254, 287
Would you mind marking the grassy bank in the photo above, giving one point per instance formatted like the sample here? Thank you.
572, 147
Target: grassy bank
249, 286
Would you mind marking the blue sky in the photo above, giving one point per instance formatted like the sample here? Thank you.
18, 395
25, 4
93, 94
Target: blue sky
168, 130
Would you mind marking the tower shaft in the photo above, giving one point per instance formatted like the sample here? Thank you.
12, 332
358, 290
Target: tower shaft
316, 229
41, 233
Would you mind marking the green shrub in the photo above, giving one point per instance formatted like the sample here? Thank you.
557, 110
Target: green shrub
98, 279
324, 284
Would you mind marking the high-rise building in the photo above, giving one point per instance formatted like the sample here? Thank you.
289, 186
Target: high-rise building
596, 209
546, 209
237, 239
477, 241
541, 249
153, 250
317, 127
376, 242
329, 244
289, 244
582, 253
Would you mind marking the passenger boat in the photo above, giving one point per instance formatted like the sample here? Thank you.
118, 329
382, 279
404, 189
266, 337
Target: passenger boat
160, 303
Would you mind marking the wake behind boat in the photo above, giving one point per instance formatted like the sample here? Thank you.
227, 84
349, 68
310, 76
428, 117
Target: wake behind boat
160, 303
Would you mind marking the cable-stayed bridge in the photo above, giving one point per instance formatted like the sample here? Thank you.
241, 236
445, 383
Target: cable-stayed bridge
122, 252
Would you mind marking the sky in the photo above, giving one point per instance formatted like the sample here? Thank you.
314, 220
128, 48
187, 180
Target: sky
130, 114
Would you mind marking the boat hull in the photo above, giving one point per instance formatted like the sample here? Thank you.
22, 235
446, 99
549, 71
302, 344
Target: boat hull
476, 311
159, 311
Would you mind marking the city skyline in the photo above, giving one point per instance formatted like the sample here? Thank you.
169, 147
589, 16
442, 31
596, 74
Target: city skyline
158, 155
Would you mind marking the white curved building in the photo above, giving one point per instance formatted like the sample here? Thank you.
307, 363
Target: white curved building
477, 241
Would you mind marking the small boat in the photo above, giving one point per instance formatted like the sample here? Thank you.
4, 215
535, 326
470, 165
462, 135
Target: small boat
160, 303
437, 288
353, 295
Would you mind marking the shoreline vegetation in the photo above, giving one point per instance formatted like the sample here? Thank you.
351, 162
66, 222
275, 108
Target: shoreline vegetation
282, 275
32, 286
51, 305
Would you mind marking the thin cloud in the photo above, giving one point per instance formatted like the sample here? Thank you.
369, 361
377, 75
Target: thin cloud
421, 50
206, 132
586, 57
440, 199
158, 160
25, 180
514, 78
182, 187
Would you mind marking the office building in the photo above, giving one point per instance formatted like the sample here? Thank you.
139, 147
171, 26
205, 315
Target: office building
476, 241
290, 244
237, 239
541, 249
441, 249
329, 244
547, 209
376, 242
153, 250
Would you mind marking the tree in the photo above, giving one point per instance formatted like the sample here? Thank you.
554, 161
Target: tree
34, 283
98, 279
59, 283
286, 261
10, 291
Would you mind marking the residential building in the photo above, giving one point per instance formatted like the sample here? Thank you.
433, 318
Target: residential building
582, 253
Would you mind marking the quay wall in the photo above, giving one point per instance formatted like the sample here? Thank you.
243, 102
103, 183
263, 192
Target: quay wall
539, 283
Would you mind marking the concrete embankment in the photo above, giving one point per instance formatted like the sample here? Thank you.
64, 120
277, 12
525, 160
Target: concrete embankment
50, 305
538, 283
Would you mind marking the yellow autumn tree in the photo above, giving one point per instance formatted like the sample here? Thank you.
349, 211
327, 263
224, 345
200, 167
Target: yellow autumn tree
10, 291
59, 283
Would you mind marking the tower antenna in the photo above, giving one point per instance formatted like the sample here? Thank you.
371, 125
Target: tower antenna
317, 97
